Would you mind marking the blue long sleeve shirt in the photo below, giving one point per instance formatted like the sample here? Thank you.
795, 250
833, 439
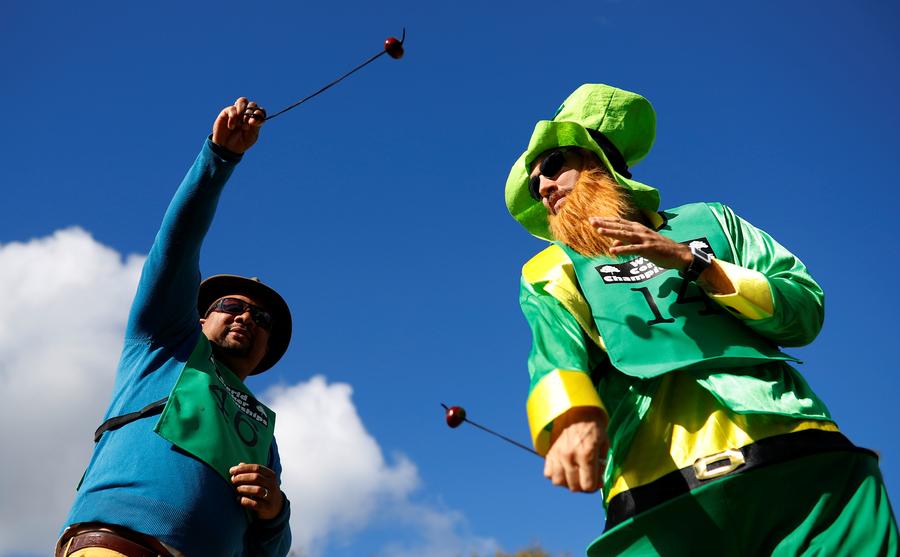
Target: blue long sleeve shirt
136, 478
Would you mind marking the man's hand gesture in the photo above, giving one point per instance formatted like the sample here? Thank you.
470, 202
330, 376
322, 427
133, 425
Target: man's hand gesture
237, 126
633, 238
258, 489
578, 450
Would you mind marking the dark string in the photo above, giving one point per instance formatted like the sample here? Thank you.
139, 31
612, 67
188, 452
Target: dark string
505, 438
336, 81
492, 432
516, 443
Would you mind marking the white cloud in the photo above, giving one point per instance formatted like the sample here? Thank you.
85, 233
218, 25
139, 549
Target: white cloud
442, 533
331, 463
65, 301
339, 481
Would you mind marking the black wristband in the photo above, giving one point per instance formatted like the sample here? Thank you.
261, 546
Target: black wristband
699, 263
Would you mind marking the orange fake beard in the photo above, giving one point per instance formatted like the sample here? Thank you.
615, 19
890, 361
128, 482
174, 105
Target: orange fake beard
595, 194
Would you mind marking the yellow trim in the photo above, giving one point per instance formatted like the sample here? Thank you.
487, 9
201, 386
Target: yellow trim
752, 297
654, 218
685, 423
552, 269
555, 393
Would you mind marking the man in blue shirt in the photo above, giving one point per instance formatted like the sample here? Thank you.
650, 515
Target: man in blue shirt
204, 477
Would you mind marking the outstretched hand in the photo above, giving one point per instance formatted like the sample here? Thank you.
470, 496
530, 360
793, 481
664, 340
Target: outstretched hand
258, 489
633, 238
237, 126
578, 451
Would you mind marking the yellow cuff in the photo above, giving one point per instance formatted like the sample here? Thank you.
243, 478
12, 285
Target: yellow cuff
555, 393
752, 297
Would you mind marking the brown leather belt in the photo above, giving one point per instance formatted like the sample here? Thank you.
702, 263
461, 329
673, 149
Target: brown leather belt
132, 544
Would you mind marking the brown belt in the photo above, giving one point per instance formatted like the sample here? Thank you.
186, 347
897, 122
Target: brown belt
123, 540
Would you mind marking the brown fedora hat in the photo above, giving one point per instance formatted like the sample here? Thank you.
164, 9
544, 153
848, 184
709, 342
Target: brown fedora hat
219, 286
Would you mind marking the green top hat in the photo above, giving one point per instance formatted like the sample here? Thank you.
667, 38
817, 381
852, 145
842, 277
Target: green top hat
626, 124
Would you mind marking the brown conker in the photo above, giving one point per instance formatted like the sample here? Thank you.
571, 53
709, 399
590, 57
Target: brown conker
455, 416
393, 47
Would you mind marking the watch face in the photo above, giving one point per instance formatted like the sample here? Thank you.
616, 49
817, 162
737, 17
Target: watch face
697, 251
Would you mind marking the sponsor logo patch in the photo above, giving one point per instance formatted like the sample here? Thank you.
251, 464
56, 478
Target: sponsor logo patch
640, 269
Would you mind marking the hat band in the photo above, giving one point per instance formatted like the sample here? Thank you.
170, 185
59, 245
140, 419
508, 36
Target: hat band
612, 153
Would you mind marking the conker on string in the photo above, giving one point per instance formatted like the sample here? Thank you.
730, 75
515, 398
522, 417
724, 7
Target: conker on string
455, 416
393, 47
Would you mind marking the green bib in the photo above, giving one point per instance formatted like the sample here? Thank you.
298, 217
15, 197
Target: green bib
653, 321
212, 415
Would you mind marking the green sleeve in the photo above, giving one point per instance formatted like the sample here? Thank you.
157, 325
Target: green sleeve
798, 301
559, 364
558, 341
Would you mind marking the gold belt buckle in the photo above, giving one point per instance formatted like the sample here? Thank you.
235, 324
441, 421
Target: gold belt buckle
734, 458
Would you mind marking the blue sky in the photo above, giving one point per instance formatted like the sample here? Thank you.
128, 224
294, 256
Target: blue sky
377, 208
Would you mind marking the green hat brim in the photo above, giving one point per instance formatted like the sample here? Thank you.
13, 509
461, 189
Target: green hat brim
548, 135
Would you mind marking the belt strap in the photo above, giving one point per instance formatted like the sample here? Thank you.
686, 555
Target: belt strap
771, 450
119, 421
108, 540
116, 538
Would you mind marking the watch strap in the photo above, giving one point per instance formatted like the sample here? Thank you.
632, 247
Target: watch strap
699, 263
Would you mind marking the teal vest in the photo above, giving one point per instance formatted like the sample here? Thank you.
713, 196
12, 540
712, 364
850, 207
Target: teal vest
652, 321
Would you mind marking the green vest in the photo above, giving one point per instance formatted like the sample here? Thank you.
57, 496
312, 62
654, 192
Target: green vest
213, 416
652, 321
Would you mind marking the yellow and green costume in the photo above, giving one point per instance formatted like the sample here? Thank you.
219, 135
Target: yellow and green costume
717, 444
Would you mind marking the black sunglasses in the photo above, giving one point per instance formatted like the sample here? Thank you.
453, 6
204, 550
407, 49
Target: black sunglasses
233, 306
549, 167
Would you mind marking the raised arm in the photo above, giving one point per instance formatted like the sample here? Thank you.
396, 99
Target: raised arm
165, 303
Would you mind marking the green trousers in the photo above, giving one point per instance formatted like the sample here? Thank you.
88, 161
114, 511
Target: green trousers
829, 504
